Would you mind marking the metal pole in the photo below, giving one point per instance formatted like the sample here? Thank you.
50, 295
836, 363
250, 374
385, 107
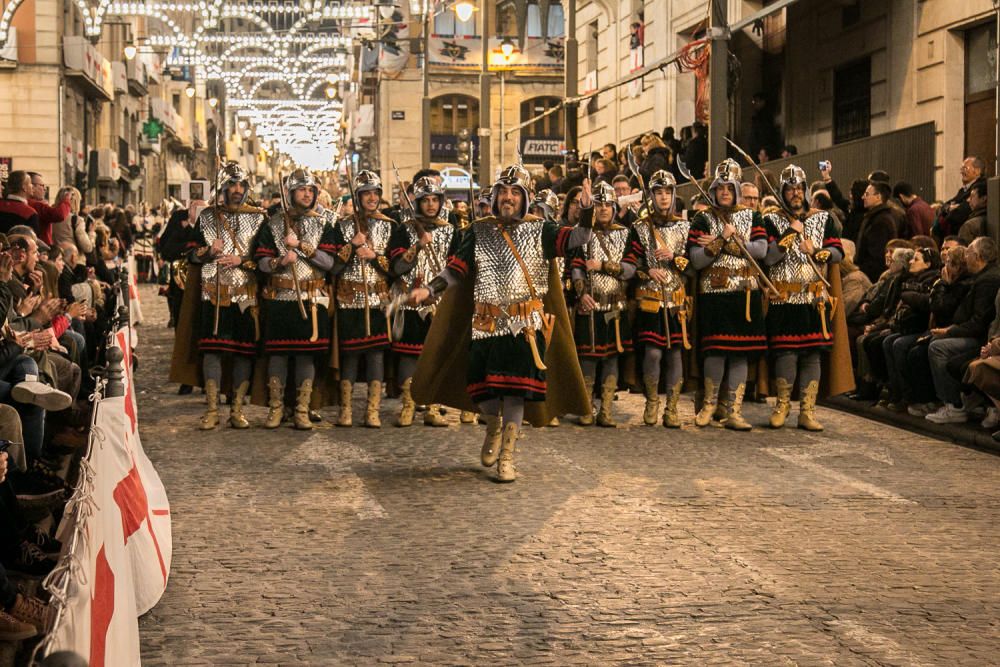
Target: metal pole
719, 79
425, 112
996, 110
571, 69
485, 150
503, 90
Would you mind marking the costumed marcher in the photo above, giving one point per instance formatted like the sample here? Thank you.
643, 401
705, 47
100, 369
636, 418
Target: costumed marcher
363, 275
419, 250
545, 204
599, 282
658, 246
295, 249
724, 244
507, 288
802, 242
229, 320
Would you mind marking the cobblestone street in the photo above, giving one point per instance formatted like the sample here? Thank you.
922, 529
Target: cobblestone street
862, 545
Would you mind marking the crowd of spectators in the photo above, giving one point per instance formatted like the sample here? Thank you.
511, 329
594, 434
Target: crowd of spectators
58, 262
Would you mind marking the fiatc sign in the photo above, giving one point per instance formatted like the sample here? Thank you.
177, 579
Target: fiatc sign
539, 149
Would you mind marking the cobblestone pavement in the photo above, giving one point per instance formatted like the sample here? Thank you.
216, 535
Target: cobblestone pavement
863, 545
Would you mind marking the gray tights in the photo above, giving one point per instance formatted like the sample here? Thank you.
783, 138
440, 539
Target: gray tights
651, 362
407, 367
374, 364
305, 368
806, 365
212, 369
609, 367
511, 407
734, 372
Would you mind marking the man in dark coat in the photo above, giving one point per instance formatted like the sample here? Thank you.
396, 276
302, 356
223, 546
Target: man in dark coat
956, 211
877, 228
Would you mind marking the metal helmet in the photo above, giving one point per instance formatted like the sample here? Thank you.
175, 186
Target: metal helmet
513, 176
546, 200
367, 181
230, 174
603, 193
298, 179
727, 173
663, 179
485, 197
426, 187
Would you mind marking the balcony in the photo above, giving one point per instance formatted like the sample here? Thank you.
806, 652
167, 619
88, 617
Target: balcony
138, 77
85, 65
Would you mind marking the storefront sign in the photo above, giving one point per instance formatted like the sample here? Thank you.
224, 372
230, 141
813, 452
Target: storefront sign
540, 149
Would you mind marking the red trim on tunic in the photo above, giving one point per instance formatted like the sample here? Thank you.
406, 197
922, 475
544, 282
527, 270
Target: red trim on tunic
562, 240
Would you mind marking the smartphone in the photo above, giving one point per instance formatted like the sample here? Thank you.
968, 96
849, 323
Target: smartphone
5, 445
824, 165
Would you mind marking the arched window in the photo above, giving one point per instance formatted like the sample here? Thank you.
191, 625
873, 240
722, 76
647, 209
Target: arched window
451, 113
549, 127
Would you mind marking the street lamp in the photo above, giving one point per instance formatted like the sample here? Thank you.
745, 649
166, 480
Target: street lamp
331, 92
189, 91
507, 48
463, 10
130, 51
213, 102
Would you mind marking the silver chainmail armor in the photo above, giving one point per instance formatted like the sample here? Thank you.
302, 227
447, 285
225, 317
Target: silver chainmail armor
242, 226
431, 260
795, 268
675, 236
309, 229
379, 232
500, 280
742, 220
607, 291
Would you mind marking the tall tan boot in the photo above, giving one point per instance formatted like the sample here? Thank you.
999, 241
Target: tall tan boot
704, 416
408, 406
491, 445
374, 402
211, 417
671, 416
467, 417
608, 388
433, 416
782, 403
807, 408
346, 417
505, 464
721, 413
302, 396
275, 403
651, 388
236, 417
588, 419
736, 422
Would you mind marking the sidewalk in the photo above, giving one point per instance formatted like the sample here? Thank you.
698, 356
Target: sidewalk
970, 434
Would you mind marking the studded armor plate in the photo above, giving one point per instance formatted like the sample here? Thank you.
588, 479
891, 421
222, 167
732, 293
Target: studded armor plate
607, 246
739, 267
379, 232
794, 267
309, 229
500, 280
675, 236
241, 227
431, 260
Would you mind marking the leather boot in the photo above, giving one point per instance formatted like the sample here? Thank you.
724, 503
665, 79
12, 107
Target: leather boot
275, 403
374, 401
608, 388
408, 406
671, 416
736, 422
807, 408
782, 403
721, 413
346, 391
505, 464
491, 445
588, 419
211, 417
704, 416
467, 417
302, 396
236, 417
651, 389
433, 416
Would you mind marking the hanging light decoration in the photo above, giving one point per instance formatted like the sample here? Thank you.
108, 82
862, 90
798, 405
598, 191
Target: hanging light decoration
463, 10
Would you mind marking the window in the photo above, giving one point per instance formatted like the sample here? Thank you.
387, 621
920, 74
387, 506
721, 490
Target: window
507, 19
177, 102
852, 101
534, 27
557, 20
549, 127
851, 14
451, 113
448, 25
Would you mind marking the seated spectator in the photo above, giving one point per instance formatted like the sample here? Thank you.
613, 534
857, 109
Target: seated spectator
877, 228
954, 346
854, 283
919, 214
975, 225
750, 196
657, 156
984, 373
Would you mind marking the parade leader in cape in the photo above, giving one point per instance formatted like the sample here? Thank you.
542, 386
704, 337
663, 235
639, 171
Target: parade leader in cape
501, 342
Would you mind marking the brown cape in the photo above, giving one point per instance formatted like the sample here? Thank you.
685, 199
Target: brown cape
441, 370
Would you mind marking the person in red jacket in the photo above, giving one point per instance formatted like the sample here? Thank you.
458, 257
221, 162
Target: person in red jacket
47, 215
14, 207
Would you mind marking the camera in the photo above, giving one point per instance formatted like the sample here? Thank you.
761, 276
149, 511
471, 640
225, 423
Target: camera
824, 165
